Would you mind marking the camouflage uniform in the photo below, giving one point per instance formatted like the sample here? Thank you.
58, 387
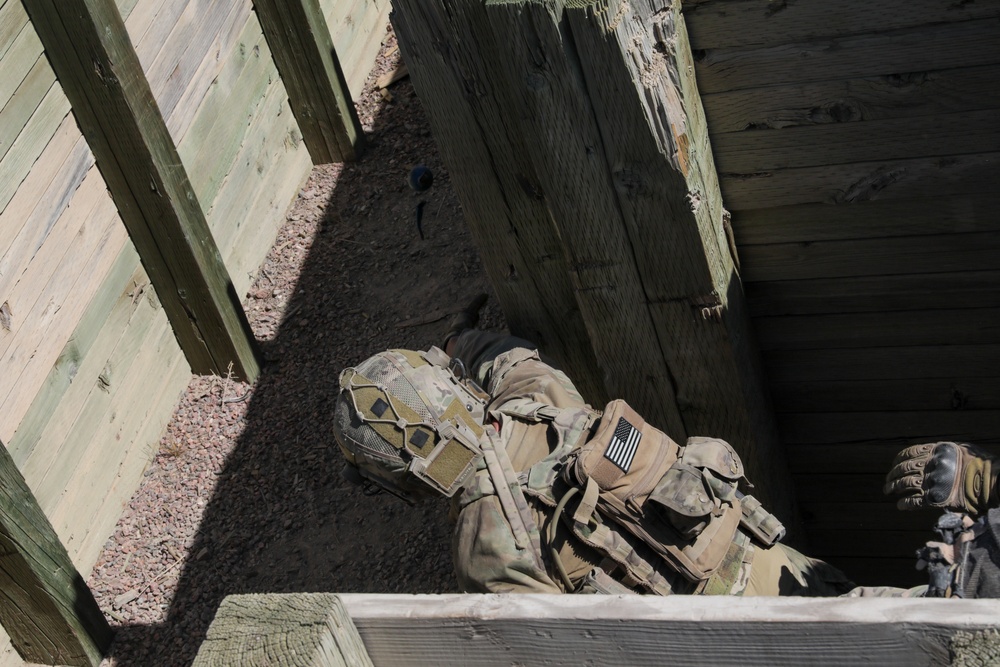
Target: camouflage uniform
539, 415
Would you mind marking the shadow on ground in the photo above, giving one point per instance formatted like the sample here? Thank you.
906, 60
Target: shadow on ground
281, 518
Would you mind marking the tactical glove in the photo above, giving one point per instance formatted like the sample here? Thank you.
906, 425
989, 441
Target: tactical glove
957, 476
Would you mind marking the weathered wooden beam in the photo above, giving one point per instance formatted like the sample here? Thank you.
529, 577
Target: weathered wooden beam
91, 53
598, 102
293, 629
605, 631
300, 42
45, 605
504, 206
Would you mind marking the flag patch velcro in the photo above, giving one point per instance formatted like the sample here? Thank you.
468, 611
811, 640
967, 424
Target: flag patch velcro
624, 443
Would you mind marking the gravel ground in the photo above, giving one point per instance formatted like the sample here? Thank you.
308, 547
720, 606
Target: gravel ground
246, 494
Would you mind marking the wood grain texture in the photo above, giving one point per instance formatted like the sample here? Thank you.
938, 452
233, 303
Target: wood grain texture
864, 141
615, 148
894, 52
46, 607
106, 316
950, 393
856, 182
916, 362
918, 216
936, 291
717, 23
865, 98
112, 101
978, 326
977, 426
903, 255
63, 288
488, 159
692, 630
294, 629
303, 50
14, 115
33, 141
357, 28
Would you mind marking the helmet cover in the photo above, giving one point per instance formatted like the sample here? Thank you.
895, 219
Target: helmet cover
407, 424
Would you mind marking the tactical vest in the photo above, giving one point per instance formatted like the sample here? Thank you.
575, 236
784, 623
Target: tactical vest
633, 495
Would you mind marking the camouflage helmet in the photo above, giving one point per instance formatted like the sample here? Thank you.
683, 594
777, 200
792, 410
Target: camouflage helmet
405, 422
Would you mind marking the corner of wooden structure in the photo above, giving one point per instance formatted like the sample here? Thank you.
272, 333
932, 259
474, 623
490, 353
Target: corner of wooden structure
295, 629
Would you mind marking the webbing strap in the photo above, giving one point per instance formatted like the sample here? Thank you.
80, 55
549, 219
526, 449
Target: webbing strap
585, 510
512, 500
636, 570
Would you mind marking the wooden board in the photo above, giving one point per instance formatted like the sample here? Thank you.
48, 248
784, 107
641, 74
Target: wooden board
20, 49
936, 291
449, 630
894, 52
357, 28
862, 181
220, 128
46, 607
499, 194
64, 298
861, 518
943, 253
303, 50
950, 393
291, 628
13, 19
866, 98
919, 216
108, 447
102, 323
16, 113
151, 24
717, 23
32, 142
204, 26
865, 141
894, 329
924, 361
40, 202
203, 80
140, 164
815, 487
868, 457
244, 54
831, 428
129, 472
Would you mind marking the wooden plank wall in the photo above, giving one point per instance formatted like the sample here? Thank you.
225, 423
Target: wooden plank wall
857, 147
81, 330
357, 28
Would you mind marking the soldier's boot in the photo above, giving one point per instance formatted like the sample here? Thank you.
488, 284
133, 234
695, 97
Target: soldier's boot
951, 475
467, 318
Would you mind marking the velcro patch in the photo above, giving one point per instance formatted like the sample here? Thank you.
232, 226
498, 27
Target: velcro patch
623, 445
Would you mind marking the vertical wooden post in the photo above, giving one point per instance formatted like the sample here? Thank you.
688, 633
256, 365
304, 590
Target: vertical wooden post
598, 100
90, 51
504, 205
299, 38
301, 629
45, 605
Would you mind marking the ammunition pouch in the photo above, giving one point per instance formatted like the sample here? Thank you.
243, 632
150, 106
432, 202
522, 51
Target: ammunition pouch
681, 502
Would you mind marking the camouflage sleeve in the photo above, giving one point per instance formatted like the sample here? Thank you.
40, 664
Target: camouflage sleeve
487, 559
522, 374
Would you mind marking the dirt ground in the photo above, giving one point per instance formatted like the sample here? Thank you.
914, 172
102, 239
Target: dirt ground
246, 494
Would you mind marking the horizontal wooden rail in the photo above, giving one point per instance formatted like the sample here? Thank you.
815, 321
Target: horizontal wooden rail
495, 630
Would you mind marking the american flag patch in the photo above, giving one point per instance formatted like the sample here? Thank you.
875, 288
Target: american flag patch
624, 443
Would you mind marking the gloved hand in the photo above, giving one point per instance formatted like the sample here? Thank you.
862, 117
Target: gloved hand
944, 474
